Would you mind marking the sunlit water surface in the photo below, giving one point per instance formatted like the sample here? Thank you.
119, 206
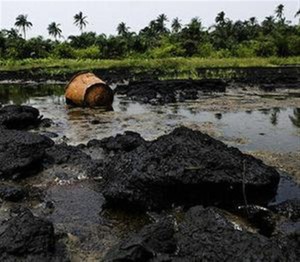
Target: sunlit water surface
275, 129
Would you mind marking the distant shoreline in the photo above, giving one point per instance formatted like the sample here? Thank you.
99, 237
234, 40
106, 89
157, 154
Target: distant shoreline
138, 69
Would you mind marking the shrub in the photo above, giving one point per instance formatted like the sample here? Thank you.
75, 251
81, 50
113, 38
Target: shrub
222, 53
165, 51
205, 50
190, 47
63, 50
92, 52
246, 49
266, 48
294, 45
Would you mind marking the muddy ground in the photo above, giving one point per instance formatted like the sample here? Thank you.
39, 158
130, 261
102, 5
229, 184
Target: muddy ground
79, 182
268, 77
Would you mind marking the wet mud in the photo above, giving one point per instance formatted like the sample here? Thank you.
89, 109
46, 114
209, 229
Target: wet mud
169, 91
62, 176
268, 78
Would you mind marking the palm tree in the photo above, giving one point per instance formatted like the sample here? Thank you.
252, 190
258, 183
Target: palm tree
279, 12
176, 25
122, 29
80, 21
268, 24
220, 18
12, 33
298, 14
160, 23
23, 23
253, 21
193, 30
195, 26
54, 30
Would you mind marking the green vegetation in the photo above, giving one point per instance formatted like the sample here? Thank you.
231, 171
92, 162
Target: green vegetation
23, 24
54, 30
178, 63
227, 43
163, 68
80, 20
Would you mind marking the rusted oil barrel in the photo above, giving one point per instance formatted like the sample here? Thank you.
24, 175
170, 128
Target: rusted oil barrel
87, 90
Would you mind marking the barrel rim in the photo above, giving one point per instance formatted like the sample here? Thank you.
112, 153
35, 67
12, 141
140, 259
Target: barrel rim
90, 86
77, 74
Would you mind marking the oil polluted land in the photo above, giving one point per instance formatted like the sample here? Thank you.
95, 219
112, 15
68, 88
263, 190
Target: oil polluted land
179, 170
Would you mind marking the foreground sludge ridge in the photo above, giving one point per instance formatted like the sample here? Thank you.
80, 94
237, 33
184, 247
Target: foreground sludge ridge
204, 234
186, 167
27, 238
19, 117
189, 184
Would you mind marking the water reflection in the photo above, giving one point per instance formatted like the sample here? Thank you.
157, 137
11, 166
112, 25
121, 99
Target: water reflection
78, 125
265, 111
218, 116
123, 106
16, 94
274, 116
296, 118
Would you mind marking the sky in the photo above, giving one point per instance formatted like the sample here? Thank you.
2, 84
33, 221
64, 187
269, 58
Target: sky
104, 16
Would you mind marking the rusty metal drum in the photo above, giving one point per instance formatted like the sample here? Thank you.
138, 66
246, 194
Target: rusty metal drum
87, 90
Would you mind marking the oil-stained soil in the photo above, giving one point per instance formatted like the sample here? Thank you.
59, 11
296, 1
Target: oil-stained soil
58, 175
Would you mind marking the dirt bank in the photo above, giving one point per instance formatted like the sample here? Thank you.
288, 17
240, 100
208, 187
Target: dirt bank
267, 77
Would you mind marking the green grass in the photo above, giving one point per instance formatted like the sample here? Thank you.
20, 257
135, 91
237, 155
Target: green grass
168, 67
167, 63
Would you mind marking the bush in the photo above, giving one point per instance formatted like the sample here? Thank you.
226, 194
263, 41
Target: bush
37, 48
222, 53
84, 40
206, 50
246, 49
266, 48
15, 49
92, 52
165, 51
294, 45
64, 50
190, 47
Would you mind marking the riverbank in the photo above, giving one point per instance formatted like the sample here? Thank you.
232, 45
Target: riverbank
136, 69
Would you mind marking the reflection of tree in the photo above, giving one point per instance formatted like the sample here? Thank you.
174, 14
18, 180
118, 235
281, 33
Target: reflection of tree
175, 108
218, 116
265, 111
123, 105
20, 94
296, 118
274, 116
4, 96
13, 94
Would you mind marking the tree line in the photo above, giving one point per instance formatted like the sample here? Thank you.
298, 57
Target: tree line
274, 36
